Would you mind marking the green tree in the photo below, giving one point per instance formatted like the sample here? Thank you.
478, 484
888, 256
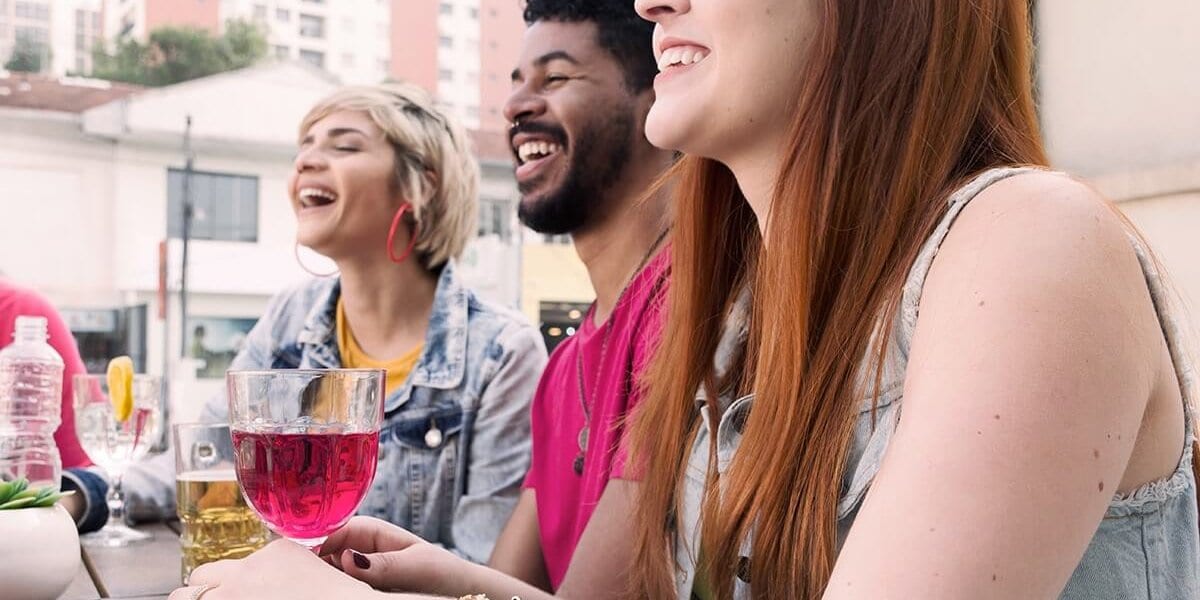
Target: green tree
28, 56
175, 54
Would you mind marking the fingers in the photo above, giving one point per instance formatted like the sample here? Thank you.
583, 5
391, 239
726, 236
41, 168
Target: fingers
211, 573
369, 535
193, 592
422, 568
379, 570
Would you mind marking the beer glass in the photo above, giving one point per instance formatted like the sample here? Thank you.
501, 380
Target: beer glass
217, 522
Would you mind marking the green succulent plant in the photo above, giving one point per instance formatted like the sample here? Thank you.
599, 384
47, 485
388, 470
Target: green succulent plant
17, 494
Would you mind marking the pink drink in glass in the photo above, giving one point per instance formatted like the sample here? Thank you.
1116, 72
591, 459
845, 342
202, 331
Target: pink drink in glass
305, 485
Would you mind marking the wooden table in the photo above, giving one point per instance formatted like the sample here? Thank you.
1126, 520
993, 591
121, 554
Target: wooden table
145, 571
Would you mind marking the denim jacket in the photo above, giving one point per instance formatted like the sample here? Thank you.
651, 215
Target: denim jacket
1146, 547
474, 382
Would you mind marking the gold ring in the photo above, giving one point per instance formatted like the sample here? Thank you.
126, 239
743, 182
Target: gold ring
200, 591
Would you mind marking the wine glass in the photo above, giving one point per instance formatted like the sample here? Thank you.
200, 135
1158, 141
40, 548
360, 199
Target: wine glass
114, 444
305, 445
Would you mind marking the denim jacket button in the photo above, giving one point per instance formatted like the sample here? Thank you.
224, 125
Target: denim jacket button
433, 437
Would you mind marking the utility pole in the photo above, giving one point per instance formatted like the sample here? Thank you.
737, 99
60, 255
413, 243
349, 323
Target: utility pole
189, 159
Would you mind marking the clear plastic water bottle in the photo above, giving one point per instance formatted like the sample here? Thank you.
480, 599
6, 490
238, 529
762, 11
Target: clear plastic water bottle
31, 380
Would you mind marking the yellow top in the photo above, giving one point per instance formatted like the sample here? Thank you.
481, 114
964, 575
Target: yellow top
353, 356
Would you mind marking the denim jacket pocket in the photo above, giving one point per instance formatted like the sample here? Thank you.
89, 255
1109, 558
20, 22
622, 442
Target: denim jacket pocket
427, 429
421, 448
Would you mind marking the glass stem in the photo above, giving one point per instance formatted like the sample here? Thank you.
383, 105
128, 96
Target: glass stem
116, 504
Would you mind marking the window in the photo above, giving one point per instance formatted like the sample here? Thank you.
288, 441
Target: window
224, 206
80, 66
316, 59
494, 219
37, 35
474, 14
215, 341
559, 321
558, 240
31, 10
446, 41
282, 52
283, 15
312, 26
80, 19
473, 112
348, 60
445, 75
104, 332
260, 12
80, 42
385, 66
446, 8
315, 1
96, 22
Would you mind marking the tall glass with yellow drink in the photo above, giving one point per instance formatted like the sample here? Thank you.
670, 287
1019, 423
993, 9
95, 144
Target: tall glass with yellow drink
217, 522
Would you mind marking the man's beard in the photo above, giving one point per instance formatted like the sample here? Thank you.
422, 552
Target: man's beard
600, 154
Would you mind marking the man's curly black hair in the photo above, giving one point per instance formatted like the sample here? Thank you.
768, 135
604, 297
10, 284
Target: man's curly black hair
619, 30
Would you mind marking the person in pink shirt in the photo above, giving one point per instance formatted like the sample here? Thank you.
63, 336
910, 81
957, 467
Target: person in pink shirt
16, 301
581, 91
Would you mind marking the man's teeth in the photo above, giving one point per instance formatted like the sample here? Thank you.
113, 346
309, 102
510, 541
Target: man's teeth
316, 197
681, 56
533, 150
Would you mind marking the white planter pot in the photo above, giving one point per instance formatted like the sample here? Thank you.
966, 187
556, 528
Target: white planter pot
39, 553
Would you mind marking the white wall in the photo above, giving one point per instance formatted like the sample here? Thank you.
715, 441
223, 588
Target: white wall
258, 105
56, 234
1119, 82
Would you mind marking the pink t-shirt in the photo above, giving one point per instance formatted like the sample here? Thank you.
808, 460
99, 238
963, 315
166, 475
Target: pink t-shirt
565, 500
17, 301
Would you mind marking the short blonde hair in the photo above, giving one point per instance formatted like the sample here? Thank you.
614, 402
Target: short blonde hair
435, 168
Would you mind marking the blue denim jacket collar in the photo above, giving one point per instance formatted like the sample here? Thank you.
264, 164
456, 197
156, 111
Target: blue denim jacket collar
443, 360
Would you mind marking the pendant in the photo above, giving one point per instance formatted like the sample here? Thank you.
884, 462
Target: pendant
433, 437
583, 439
579, 464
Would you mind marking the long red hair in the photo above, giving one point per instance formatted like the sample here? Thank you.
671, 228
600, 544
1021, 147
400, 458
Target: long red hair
903, 101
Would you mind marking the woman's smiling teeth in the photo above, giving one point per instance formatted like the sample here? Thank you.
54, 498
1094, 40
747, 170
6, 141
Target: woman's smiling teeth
313, 197
536, 150
681, 56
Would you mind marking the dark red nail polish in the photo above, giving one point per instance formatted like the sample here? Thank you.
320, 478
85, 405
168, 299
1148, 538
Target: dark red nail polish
360, 560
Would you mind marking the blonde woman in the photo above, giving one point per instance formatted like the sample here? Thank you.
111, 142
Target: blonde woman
384, 184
